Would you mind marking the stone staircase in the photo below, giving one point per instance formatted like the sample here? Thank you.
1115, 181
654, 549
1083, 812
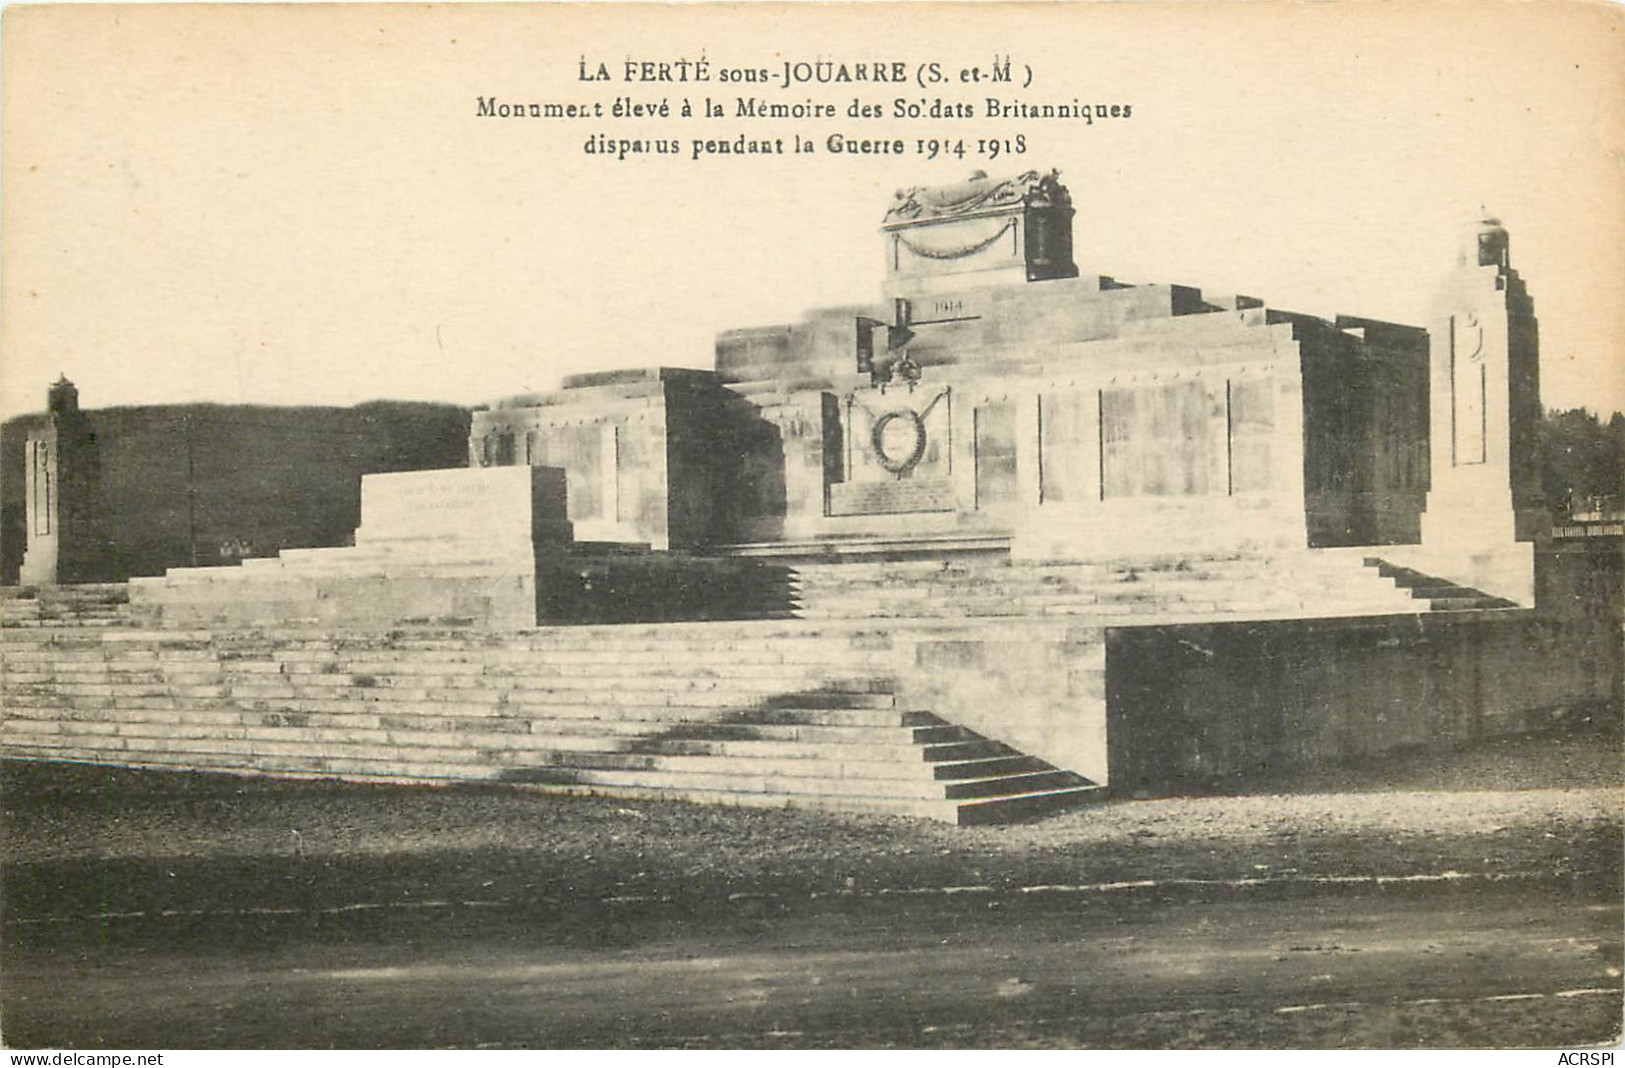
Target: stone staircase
442, 580
751, 713
871, 700
1191, 588
91, 605
847, 748
1441, 595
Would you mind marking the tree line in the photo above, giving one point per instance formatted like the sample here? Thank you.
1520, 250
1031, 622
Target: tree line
1582, 462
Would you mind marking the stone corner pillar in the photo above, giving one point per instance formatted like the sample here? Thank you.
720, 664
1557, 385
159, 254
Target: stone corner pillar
1484, 509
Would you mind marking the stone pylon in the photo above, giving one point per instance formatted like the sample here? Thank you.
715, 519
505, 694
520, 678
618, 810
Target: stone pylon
58, 457
1484, 506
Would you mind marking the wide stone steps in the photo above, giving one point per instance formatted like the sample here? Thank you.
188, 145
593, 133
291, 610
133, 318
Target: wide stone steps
783, 713
812, 735
813, 778
968, 812
923, 759
1010, 784
864, 548
986, 766
944, 810
890, 751
1293, 584
228, 580
689, 644
839, 781
474, 747
1018, 578
90, 604
843, 710
1442, 595
238, 730
737, 781
794, 767
951, 751
1107, 604
490, 584
445, 720
1190, 565
428, 705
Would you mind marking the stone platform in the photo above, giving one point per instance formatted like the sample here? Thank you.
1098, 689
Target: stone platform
456, 546
744, 713
969, 689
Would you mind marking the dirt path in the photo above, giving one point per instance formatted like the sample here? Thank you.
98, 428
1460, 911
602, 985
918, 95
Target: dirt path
145, 909
1486, 967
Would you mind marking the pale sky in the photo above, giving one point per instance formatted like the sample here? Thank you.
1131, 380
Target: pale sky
300, 205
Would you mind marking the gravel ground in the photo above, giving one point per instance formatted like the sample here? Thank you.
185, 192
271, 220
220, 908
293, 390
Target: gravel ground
1537, 806
149, 908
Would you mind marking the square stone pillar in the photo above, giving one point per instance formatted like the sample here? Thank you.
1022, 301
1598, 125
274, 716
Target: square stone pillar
1484, 507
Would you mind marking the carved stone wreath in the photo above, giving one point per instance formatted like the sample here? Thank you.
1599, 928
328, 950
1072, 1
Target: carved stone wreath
898, 460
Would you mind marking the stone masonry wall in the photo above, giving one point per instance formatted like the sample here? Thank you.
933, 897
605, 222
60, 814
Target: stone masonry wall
188, 485
1154, 709
1040, 687
1193, 708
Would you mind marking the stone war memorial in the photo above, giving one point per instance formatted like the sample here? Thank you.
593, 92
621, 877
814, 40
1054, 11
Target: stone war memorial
1009, 538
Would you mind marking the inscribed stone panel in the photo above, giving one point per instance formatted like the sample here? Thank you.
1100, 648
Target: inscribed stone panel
42, 487
1155, 441
1066, 422
584, 474
891, 498
760, 486
1467, 386
1119, 414
505, 456
995, 454
494, 506
1252, 428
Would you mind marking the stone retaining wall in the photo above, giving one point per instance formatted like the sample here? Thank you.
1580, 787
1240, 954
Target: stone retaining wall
1195, 707
1143, 708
